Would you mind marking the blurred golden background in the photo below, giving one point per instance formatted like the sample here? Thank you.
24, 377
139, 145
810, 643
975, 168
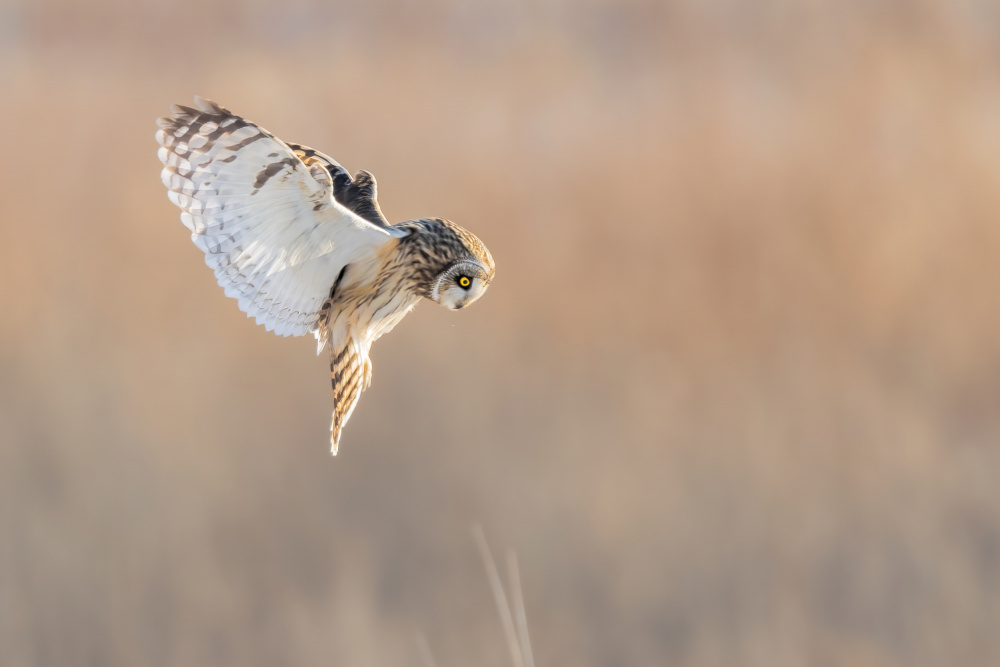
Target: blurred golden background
733, 397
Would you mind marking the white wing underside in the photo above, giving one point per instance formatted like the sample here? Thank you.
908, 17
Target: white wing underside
268, 225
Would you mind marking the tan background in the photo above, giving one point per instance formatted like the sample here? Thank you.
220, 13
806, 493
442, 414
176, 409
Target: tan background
733, 397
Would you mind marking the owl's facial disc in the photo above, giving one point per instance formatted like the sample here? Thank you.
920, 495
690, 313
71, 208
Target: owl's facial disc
460, 284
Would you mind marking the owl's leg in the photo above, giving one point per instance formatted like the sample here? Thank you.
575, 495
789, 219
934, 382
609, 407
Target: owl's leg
322, 331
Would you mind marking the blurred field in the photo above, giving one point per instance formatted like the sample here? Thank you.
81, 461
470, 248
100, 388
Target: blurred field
733, 397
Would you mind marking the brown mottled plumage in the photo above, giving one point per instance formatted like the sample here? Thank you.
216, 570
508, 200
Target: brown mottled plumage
304, 247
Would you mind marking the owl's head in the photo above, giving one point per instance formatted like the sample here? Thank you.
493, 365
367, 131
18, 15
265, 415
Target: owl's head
460, 284
452, 266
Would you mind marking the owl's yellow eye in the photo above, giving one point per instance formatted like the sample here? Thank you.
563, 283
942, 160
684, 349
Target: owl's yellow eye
464, 282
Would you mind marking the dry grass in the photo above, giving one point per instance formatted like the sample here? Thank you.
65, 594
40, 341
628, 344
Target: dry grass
732, 397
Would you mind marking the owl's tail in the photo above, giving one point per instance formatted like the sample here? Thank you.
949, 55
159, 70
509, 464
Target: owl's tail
351, 373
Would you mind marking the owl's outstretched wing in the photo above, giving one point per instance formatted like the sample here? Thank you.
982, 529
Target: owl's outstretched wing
351, 371
268, 224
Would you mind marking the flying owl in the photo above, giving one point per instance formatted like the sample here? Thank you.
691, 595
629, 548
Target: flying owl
303, 247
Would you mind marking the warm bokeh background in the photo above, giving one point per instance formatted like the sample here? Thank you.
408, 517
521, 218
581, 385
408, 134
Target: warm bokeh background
733, 398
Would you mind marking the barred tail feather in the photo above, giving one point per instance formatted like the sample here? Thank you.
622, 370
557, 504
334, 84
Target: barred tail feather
351, 373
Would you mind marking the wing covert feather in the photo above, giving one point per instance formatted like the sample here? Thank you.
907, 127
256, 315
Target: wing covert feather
358, 194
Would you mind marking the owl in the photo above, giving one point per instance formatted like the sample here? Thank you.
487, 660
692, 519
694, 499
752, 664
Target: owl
303, 247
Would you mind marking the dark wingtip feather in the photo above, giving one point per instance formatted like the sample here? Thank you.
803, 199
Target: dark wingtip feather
207, 105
